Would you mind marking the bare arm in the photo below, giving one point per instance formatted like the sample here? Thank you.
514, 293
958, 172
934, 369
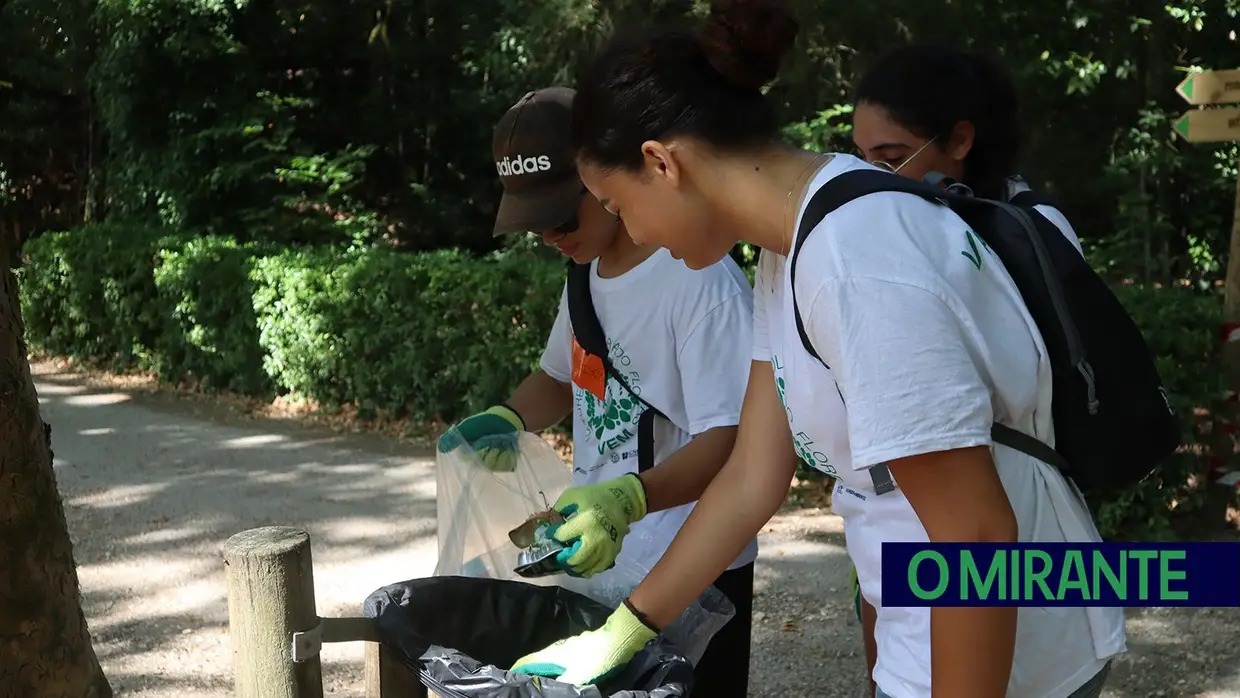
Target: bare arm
743, 497
959, 498
542, 401
684, 476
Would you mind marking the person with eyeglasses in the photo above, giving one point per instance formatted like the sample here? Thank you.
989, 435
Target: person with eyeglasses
925, 109
679, 337
918, 353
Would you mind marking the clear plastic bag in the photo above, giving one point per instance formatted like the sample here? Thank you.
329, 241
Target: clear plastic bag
477, 507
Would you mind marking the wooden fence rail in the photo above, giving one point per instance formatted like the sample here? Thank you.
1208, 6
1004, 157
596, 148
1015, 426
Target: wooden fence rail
276, 632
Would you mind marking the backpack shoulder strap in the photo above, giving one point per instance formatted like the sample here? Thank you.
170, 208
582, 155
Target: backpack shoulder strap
587, 329
589, 334
835, 193
1029, 199
838, 191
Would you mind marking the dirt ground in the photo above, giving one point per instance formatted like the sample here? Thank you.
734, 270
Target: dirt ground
153, 485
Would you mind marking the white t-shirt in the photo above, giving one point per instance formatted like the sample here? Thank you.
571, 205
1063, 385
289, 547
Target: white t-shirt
928, 342
681, 339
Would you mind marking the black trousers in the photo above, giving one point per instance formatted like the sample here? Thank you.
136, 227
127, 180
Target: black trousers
723, 671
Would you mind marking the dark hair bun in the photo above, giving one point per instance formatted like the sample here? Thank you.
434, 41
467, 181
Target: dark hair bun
745, 40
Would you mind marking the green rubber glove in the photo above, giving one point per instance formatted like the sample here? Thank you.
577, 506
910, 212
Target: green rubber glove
493, 435
594, 655
598, 519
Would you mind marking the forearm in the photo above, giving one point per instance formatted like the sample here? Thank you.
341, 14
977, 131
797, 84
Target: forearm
542, 401
684, 476
959, 498
971, 651
740, 501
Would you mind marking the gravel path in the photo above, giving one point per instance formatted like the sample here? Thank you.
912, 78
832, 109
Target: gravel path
152, 487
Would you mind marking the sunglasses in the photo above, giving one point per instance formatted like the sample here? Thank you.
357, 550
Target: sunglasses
573, 222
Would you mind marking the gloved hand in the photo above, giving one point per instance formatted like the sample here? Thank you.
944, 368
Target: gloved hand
493, 434
598, 518
594, 655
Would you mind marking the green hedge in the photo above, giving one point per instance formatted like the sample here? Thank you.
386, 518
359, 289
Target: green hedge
1181, 326
435, 335
212, 333
92, 294
424, 335
428, 336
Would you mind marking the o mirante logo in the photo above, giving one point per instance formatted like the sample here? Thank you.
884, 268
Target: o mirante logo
1061, 574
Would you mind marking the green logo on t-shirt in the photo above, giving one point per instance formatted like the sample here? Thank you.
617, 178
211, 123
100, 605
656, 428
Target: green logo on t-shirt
614, 421
801, 441
975, 247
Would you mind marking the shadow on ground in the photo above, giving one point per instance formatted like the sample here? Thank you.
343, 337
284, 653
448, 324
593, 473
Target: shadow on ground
152, 494
152, 491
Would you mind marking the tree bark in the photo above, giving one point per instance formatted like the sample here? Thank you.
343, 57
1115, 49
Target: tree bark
45, 647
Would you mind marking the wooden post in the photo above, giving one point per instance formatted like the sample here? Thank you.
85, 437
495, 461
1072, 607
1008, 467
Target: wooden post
386, 677
271, 596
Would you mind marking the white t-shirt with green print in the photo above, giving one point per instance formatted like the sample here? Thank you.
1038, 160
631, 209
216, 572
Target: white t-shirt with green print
928, 341
681, 337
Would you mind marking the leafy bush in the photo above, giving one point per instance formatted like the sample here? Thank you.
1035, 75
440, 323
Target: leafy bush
437, 335
212, 335
430, 335
1180, 326
90, 294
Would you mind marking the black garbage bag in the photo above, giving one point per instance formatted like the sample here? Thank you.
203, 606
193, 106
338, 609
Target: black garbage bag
461, 634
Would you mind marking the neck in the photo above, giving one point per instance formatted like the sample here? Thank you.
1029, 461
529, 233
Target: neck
761, 195
622, 255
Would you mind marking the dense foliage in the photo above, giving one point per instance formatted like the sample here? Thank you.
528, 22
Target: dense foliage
295, 195
434, 335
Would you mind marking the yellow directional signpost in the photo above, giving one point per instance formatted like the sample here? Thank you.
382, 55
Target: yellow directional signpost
1211, 87
1219, 124
1210, 125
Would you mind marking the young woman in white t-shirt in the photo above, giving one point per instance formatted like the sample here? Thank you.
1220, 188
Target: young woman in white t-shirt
926, 350
926, 109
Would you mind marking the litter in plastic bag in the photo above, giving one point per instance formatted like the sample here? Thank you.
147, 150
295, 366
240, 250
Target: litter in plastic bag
541, 556
461, 634
478, 508
526, 535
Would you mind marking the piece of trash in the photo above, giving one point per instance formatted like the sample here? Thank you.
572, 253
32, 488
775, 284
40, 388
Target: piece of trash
523, 536
539, 560
790, 627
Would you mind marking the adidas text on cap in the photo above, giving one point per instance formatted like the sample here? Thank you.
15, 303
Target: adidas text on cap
534, 159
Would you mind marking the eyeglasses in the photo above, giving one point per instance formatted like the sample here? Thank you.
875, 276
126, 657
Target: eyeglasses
896, 168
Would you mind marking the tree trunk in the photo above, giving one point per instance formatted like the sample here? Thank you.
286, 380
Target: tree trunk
45, 648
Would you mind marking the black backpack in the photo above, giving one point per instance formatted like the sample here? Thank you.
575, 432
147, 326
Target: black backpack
1113, 422
590, 336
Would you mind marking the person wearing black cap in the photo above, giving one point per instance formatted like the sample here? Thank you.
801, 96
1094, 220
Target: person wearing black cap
680, 339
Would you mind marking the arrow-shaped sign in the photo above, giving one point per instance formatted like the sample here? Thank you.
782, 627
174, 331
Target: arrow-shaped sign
1211, 87
1210, 125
